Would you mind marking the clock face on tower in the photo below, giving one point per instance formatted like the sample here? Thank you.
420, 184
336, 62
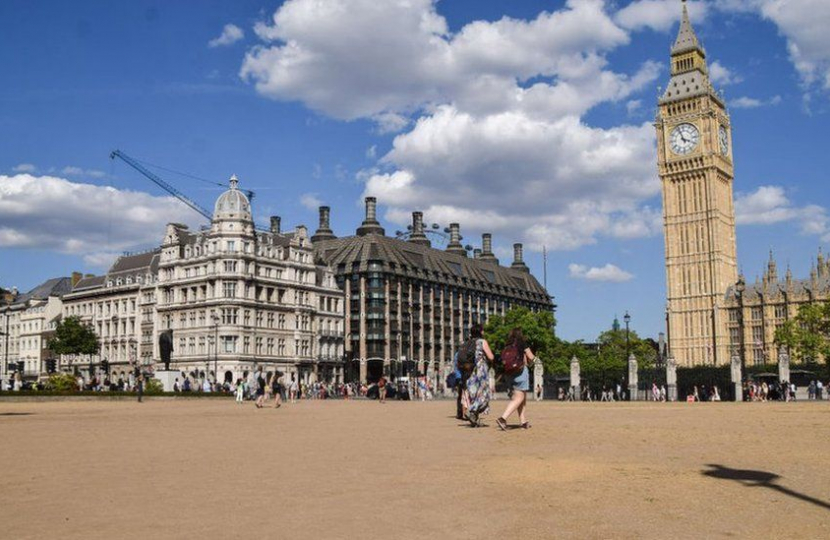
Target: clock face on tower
684, 139
723, 139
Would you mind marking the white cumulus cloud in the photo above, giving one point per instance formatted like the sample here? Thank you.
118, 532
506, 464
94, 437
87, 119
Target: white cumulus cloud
363, 59
489, 117
745, 102
230, 35
659, 15
770, 204
71, 170
609, 272
722, 75
24, 168
311, 201
804, 23
51, 213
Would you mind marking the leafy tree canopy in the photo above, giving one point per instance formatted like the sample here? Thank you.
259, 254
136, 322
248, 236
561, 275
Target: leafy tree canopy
536, 327
807, 335
73, 337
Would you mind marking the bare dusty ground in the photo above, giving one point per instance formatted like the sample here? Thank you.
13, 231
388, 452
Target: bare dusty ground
207, 468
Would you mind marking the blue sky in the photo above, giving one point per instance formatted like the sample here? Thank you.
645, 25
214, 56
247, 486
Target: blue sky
529, 119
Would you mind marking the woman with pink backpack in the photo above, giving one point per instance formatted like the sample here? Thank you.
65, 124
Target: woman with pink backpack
516, 358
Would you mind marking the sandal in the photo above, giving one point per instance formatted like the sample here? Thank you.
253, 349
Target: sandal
502, 423
526, 425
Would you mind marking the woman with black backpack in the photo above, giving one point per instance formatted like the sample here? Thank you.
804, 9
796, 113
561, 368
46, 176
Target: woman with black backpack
516, 357
477, 354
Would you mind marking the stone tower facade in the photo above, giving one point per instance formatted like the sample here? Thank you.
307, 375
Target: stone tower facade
695, 165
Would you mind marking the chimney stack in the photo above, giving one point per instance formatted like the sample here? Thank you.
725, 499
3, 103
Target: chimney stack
418, 236
324, 231
518, 259
275, 225
487, 248
455, 241
371, 225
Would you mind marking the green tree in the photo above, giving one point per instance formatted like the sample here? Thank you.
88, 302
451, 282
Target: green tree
537, 327
73, 337
614, 351
807, 335
563, 351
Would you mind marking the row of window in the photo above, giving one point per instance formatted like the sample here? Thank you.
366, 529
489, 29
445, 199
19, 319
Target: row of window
129, 280
756, 313
103, 308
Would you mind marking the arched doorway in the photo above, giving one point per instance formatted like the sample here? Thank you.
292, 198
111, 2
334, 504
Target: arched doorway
229, 377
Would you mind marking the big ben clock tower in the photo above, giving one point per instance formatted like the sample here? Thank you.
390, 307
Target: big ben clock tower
695, 165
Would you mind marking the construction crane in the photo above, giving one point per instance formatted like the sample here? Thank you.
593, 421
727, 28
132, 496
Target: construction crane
161, 183
135, 164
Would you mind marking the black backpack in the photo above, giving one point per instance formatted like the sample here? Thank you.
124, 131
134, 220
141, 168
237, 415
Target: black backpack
467, 357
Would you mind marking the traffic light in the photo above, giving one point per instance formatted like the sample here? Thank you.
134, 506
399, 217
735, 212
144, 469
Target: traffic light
105, 365
20, 366
51, 365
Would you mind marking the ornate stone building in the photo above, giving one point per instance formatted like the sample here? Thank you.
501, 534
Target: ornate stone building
118, 306
27, 322
409, 305
756, 311
695, 165
234, 297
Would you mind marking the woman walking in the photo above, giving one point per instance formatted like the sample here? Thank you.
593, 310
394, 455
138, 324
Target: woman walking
276, 387
260, 390
478, 384
518, 383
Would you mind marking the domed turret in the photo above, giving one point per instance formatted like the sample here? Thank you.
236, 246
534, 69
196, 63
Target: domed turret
233, 204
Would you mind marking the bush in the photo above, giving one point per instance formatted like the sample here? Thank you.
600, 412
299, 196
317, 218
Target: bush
62, 382
153, 387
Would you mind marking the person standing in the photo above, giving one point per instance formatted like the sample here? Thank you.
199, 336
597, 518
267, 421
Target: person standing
518, 382
382, 389
240, 391
294, 390
139, 384
260, 389
276, 387
478, 384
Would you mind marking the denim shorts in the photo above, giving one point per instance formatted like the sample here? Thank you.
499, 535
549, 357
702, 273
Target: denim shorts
519, 381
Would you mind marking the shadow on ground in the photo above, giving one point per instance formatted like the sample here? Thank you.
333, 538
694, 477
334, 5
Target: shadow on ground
751, 478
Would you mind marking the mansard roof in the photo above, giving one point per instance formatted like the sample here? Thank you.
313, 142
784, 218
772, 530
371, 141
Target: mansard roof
143, 263
417, 261
128, 265
51, 287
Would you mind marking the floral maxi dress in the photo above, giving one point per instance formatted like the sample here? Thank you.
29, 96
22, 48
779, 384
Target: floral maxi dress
478, 385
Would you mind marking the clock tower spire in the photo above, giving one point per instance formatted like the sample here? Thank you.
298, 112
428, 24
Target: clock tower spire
695, 166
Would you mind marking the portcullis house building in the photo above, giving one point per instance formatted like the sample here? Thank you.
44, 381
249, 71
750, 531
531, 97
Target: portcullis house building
408, 304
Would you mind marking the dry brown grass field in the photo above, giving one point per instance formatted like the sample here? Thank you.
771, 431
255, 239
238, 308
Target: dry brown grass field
333, 469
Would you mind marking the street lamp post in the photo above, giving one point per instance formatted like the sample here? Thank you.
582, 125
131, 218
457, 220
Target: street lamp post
627, 319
